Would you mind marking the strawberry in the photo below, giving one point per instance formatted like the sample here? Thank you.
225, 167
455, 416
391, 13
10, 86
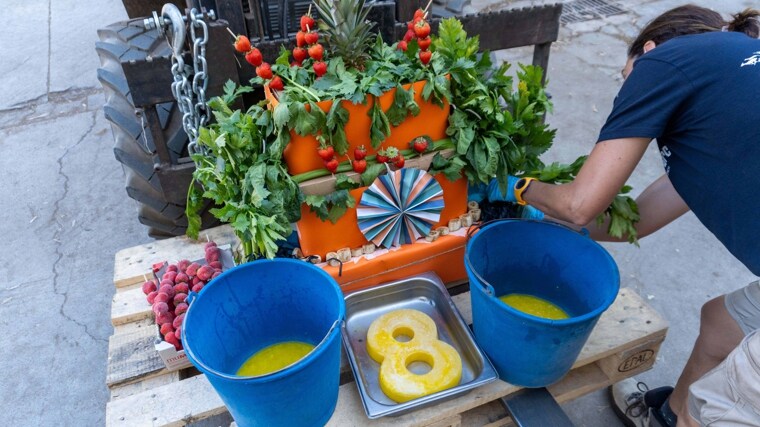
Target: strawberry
300, 53
242, 44
264, 71
392, 154
424, 44
402, 46
332, 165
254, 57
359, 165
360, 152
311, 37
301, 39
409, 36
420, 144
410, 25
296, 64
326, 152
307, 23
316, 52
422, 29
425, 56
419, 13
276, 83
399, 162
320, 68
381, 157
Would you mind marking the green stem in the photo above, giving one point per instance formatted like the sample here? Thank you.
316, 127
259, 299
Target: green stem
306, 90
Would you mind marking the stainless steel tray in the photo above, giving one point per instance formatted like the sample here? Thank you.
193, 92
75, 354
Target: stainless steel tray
427, 294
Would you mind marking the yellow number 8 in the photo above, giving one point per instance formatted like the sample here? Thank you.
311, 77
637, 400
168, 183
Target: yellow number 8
394, 356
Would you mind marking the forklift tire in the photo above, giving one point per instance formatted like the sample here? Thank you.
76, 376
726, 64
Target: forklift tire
134, 145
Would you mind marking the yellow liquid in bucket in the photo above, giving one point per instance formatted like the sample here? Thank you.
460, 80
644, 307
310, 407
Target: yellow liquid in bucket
274, 358
535, 306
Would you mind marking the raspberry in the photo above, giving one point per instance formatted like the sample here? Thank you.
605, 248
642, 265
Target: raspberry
178, 321
181, 288
160, 307
168, 290
148, 287
178, 334
215, 275
169, 275
161, 297
172, 267
166, 282
166, 329
181, 277
216, 265
181, 308
179, 298
210, 244
182, 265
197, 280
212, 256
197, 288
192, 269
164, 318
171, 339
152, 297
205, 272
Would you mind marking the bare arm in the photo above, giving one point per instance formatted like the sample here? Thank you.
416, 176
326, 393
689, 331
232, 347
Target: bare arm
600, 179
659, 204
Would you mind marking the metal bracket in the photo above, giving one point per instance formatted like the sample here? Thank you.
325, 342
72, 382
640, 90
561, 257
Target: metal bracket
532, 407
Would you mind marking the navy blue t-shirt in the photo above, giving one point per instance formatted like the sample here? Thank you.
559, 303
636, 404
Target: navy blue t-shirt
699, 96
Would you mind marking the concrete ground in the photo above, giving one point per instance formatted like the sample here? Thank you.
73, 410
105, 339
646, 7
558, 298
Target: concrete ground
66, 211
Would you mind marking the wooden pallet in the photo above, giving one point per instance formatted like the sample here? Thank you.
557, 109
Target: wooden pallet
624, 342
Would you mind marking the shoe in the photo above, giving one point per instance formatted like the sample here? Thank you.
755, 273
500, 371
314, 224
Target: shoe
627, 398
638, 406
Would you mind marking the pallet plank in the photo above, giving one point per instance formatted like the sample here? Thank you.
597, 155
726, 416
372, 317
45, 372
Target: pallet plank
129, 306
175, 404
131, 264
194, 399
132, 356
146, 384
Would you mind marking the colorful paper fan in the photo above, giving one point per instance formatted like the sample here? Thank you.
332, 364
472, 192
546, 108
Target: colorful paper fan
400, 207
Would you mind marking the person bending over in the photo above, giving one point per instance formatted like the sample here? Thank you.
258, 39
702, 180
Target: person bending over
692, 82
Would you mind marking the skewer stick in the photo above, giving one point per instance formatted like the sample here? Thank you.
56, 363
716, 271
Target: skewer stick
309, 11
231, 33
427, 7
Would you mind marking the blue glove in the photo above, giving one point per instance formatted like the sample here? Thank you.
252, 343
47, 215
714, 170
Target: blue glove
495, 194
529, 212
476, 192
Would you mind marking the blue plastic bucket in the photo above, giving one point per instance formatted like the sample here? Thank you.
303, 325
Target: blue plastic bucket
253, 306
548, 261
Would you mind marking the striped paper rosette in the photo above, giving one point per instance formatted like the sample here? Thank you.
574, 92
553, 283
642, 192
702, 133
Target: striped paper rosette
400, 207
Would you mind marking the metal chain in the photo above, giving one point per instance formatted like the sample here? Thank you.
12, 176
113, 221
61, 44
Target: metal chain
200, 79
190, 82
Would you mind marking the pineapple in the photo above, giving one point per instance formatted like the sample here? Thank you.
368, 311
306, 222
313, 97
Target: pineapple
346, 31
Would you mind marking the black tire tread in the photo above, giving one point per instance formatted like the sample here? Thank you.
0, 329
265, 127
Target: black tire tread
134, 144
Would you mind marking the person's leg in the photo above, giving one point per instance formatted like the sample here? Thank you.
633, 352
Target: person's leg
719, 334
729, 395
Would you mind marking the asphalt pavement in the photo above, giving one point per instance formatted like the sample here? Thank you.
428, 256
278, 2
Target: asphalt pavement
65, 212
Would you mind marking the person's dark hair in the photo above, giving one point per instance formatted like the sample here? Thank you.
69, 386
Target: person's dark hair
691, 19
